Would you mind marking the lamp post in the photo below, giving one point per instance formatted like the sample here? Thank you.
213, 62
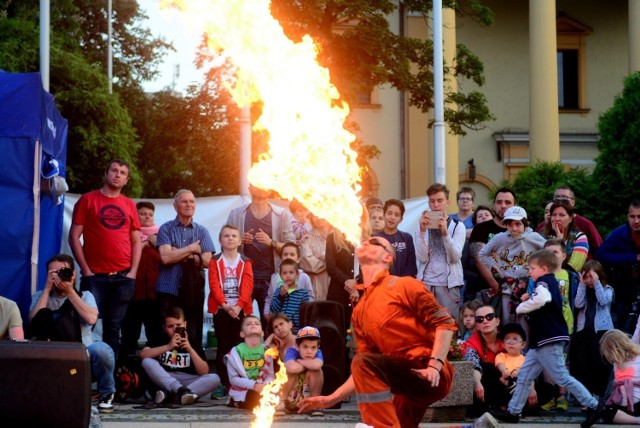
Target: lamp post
438, 95
45, 23
109, 48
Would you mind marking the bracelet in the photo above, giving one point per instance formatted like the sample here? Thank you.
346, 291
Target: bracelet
437, 359
435, 368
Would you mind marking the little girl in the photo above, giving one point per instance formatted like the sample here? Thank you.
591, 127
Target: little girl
623, 406
468, 318
593, 318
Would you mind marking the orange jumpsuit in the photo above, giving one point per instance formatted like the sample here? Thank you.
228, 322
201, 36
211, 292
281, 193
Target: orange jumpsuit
395, 323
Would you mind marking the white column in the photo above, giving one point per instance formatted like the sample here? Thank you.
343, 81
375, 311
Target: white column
634, 36
452, 161
544, 130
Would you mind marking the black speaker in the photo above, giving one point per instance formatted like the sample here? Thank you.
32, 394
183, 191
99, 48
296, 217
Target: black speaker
45, 384
329, 319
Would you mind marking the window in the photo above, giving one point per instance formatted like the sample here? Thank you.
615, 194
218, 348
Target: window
571, 55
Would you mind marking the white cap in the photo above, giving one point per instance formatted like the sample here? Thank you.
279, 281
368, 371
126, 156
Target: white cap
515, 213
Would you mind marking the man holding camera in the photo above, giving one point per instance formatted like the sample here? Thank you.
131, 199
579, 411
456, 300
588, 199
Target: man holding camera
61, 313
439, 241
177, 367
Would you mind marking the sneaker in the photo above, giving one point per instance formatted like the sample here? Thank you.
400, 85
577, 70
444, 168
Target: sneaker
317, 413
363, 425
186, 396
550, 405
593, 415
504, 416
106, 404
160, 397
562, 403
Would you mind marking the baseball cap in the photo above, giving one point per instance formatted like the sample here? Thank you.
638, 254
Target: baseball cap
308, 332
515, 213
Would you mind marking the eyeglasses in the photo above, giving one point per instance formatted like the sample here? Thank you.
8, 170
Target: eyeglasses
465, 199
488, 317
378, 243
512, 340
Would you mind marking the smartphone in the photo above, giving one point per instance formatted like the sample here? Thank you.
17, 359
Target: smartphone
181, 331
434, 218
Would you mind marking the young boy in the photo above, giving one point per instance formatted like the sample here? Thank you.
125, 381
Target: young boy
405, 262
548, 335
288, 297
376, 219
304, 367
230, 288
291, 251
510, 361
248, 367
558, 247
177, 367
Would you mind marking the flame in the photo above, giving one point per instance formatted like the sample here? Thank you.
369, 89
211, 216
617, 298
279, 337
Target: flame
270, 397
310, 157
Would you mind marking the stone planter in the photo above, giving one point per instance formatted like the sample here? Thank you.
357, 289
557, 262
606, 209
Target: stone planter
454, 406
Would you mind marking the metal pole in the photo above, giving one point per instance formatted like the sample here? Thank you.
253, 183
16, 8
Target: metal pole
438, 95
245, 148
109, 48
45, 24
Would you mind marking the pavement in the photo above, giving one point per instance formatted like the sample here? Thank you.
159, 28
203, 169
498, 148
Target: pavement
214, 413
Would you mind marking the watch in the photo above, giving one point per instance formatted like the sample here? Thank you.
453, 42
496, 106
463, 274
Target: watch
274, 243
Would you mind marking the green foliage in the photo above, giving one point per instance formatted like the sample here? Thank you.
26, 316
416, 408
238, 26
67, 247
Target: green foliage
617, 171
366, 53
535, 185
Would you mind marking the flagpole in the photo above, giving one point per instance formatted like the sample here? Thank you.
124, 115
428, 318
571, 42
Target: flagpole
45, 24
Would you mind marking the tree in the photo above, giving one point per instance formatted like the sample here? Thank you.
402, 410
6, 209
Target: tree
100, 123
617, 171
367, 53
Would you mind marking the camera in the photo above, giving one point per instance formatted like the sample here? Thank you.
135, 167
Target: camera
65, 273
181, 331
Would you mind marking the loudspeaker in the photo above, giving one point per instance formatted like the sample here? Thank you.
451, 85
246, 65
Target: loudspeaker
45, 384
328, 318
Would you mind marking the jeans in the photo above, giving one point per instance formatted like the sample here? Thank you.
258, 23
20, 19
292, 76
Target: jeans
102, 366
112, 293
172, 381
551, 357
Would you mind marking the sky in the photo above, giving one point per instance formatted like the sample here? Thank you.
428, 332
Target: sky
168, 24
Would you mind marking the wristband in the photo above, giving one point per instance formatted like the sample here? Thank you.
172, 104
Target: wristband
435, 368
437, 359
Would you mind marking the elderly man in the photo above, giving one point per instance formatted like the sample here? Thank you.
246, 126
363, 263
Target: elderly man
109, 257
621, 252
264, 228
403, 336
59, 312
185, 250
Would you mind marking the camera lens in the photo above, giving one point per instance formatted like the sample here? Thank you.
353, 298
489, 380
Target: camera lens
65, 273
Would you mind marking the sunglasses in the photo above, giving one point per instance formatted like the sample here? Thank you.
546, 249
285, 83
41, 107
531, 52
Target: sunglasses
488, 317
378, 243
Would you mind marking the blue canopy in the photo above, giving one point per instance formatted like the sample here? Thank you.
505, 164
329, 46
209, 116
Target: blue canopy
33, 148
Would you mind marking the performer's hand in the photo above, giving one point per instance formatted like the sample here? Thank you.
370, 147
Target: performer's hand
430, 374
310, 404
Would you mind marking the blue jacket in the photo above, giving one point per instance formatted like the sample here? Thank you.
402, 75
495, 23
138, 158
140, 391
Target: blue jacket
619, 247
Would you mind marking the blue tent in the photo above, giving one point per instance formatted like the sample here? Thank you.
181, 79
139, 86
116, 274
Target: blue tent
33, 150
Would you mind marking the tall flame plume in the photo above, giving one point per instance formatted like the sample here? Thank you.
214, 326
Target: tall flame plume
270, 394
310, 157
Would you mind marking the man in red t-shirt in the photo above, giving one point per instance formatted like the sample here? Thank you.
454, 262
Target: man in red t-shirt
109, 258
